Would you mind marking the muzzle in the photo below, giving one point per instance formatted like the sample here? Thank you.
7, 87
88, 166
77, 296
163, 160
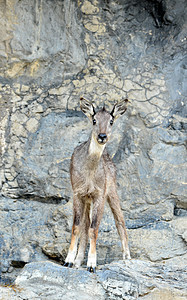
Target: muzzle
102, 138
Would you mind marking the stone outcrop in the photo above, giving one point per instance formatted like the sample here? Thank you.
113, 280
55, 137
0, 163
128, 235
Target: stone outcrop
53, 52
131, 280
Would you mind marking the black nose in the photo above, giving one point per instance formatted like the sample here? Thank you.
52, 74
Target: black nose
102, 136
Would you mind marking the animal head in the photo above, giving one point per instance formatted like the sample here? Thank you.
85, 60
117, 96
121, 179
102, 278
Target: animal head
102, 120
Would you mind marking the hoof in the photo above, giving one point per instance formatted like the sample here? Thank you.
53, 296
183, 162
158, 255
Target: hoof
91, 270
126, 255
69, 265
65, 264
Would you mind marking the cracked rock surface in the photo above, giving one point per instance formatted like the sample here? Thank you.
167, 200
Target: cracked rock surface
134, 279
51, 53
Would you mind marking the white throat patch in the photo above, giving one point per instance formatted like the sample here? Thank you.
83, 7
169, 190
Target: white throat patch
95, 148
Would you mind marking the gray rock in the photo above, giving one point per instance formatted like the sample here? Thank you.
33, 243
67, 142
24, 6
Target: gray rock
130, 280
38, 231
52, 31
53, 52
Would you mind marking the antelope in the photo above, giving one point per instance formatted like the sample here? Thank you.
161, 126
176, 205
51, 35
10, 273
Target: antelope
93, 182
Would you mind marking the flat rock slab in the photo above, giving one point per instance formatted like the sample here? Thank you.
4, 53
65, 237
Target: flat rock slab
132, 279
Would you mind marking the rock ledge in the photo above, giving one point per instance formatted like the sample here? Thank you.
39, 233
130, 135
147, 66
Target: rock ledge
133, 279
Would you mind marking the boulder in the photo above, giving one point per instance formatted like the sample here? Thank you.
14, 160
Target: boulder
129, 280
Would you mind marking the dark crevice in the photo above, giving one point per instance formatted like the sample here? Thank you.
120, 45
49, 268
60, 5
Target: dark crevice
157, 9
54, 258
18, 263
180, 212
50, 200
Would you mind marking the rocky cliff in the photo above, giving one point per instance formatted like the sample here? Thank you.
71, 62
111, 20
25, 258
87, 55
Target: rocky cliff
51, 53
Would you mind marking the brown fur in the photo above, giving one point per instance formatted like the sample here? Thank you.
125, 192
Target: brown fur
93, 181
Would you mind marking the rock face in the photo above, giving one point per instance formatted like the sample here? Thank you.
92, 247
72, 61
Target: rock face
53, 52
131, 280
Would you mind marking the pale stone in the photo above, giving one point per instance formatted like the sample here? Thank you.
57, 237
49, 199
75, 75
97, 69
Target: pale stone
92, 27
79, 83
115, 96
2, 178
13, 184
159, 82
63, 99
37, 108
32, 125
92, 63
16, 68
154, 118
18, 129
101, 47
147, 74
137, 95
13, 172
91, 79
87, 38
158, 102
108, 77
28, 97
101, 30
10, 160
25, 88
163, 293
138, 78
52, 91
16, 87
8, 293
124, 280
90, 87
95, 25
148, 242
130, 85
91, 49
33, 67
39, 91
163, 89
57, 91
118, 83
19, 117
152, 93
184, 236
15, 98
180, 118
89, 9
9, 176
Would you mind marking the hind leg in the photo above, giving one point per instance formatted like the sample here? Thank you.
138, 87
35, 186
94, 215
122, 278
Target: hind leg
114, 204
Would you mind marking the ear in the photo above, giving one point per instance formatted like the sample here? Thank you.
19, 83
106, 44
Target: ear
87, 108
119, 108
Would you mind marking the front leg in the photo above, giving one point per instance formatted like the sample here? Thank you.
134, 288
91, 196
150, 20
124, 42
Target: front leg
69, 261
78, 209
97, 213
92, 254
83, 236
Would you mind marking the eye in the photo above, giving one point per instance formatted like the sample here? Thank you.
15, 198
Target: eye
111, 122
94, 121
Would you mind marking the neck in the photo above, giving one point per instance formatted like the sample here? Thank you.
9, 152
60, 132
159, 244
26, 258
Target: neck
95, 152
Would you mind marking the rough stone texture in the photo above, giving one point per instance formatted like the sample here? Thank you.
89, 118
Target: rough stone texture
131, 280
53, 52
